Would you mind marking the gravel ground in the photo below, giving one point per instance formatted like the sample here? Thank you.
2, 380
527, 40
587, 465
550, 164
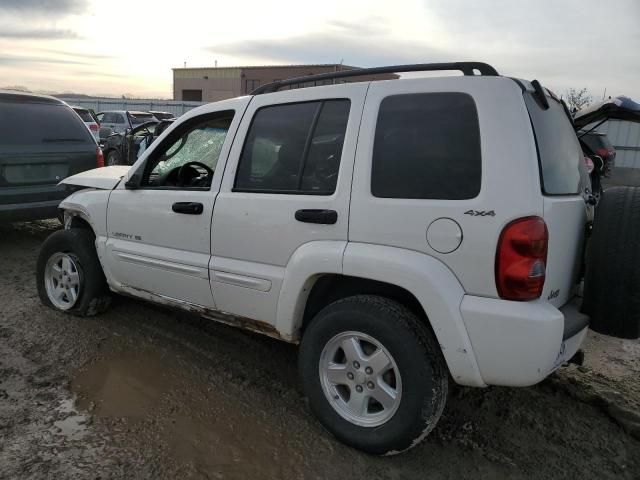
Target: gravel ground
143, 392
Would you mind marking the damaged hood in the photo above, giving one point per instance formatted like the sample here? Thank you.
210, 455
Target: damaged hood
104, 178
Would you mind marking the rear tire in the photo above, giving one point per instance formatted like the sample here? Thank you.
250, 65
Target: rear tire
113, 158
612, 277
418, 380
69, 275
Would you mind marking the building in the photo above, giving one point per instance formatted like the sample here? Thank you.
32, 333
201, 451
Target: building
211, 84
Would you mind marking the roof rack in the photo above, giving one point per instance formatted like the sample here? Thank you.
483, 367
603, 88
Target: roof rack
467, 68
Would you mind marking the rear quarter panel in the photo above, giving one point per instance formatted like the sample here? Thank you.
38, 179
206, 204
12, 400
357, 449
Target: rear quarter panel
510, 181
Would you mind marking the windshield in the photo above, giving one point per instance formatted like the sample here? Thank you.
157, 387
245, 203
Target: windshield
84, 115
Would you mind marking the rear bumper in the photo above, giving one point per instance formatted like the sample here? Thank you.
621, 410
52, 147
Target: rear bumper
521, 343
17, 212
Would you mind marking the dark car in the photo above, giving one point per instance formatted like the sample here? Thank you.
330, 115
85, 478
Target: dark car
599, 149
596, 146
124, 149
42, 141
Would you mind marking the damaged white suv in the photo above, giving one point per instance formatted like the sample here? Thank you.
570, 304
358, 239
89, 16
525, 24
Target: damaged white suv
404, 232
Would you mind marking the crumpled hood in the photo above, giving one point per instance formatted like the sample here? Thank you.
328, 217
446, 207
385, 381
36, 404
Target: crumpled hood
105, 178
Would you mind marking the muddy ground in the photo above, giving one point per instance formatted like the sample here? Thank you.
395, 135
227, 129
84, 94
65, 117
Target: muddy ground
142, 392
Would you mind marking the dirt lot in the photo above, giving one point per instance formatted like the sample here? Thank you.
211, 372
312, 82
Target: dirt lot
142, 392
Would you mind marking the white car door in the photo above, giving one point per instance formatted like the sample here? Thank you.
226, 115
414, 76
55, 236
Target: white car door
159, 232
287, 184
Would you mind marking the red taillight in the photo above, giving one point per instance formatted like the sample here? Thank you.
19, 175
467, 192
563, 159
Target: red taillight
99, 158
93, 127
521, 259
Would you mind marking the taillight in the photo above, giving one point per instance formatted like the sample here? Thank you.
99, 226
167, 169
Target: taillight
93, 127
99, 158
603, 152
521, 259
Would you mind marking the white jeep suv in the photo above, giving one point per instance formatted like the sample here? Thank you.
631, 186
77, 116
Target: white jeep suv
403, 232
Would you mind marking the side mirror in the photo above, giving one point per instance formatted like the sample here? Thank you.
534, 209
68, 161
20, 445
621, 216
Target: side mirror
133, 182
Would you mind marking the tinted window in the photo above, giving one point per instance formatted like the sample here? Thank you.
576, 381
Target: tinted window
558, 147
37, 123
118, 118
199, 140
84, 115
427, 146
294, 148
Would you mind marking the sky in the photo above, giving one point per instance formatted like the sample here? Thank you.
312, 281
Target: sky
117, 47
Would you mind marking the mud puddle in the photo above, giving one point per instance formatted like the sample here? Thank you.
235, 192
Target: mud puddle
211, 429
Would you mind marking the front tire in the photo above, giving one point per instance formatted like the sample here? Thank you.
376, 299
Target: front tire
69, 275
373, 373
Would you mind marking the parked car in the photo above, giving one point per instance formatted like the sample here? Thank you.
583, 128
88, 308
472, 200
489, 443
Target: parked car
119, 121
162, 115
42, 141
124, 149
89, 121
404, 232
596, 146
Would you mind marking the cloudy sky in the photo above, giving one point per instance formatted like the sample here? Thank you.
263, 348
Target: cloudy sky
129, 47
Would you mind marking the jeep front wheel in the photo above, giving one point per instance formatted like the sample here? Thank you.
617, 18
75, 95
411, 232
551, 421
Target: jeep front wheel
69, 274
373, 373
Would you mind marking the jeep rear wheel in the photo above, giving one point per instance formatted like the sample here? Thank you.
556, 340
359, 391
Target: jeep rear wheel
69, 274
373, 373
612, 277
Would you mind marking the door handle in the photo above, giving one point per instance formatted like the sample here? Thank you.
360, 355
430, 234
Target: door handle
189, 208
327, 217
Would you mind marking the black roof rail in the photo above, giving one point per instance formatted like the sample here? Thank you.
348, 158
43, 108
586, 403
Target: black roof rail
467, 68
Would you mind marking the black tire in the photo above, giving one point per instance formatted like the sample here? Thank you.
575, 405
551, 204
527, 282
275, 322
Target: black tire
612, 277
418, 357
113, 158
79, 243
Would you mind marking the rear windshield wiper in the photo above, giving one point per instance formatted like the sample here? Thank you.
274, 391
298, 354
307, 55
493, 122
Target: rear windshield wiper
61, 140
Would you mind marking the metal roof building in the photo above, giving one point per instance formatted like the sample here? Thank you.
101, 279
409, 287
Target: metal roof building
210, 84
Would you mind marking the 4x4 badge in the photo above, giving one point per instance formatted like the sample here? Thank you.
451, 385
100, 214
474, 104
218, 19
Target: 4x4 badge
480, 213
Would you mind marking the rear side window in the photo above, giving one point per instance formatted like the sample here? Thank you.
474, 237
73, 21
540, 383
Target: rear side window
558, 147
38, 123
294, 148
427, 146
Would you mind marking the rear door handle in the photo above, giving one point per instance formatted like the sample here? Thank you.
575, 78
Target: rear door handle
327, 217
189, 208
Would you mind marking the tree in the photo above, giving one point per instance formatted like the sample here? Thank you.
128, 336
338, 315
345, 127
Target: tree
577, 99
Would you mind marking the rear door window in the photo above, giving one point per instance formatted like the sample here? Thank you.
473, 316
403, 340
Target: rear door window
41, 124
294, 148
559, 151
427, 146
